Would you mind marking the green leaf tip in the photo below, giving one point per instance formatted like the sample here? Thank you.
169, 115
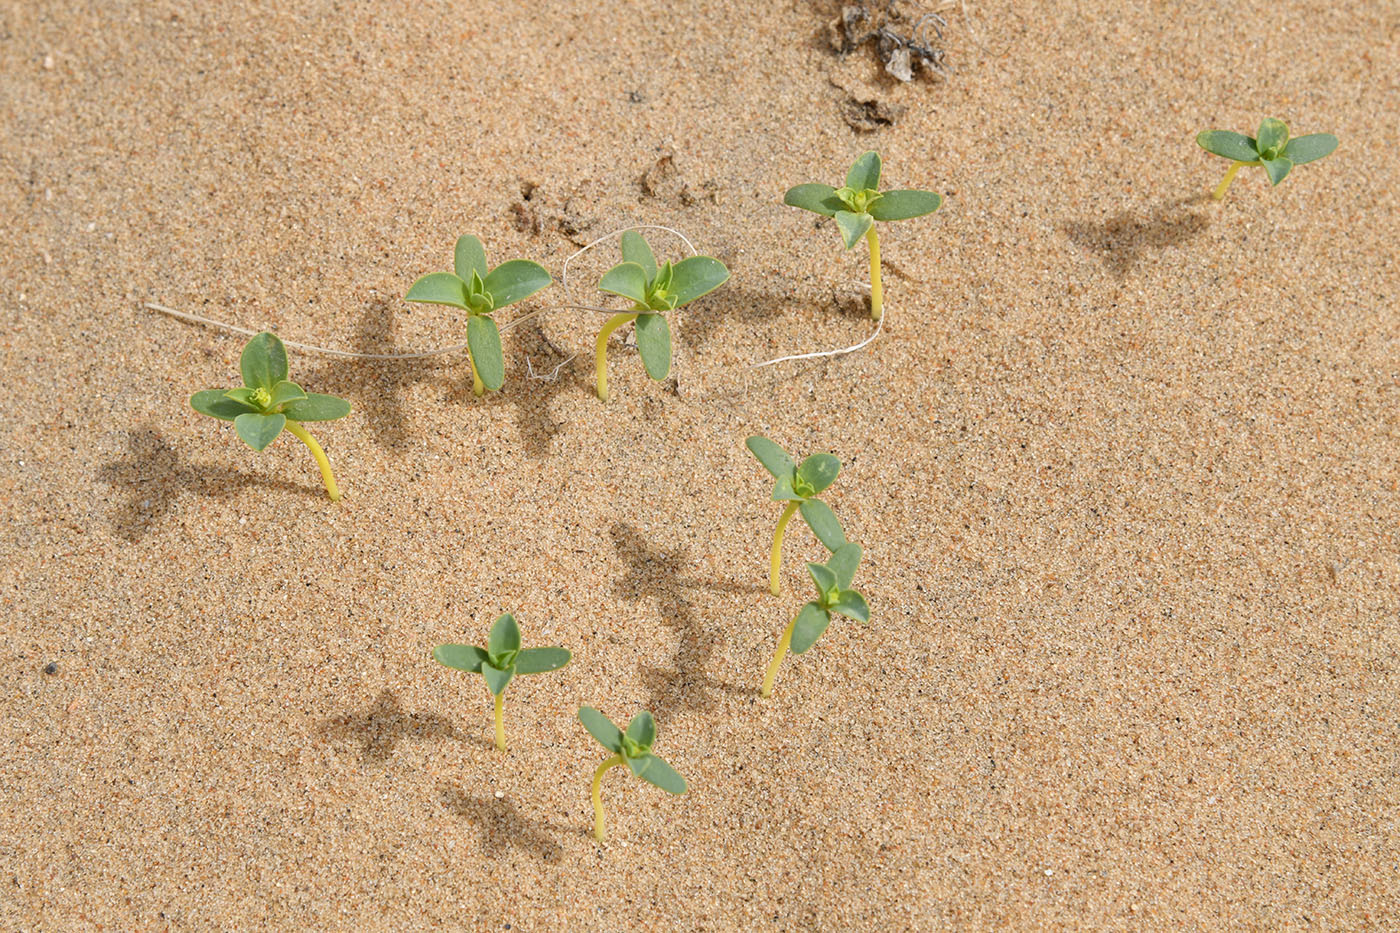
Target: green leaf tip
601, 728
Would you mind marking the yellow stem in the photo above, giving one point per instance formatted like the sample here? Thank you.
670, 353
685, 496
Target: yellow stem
775, 559
778, 656
1224, 186
877, 294
326, 476
614, 322
600, 830
500, 722
478, 387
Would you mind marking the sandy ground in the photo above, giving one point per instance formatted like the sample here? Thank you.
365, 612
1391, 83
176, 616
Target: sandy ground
1124, 462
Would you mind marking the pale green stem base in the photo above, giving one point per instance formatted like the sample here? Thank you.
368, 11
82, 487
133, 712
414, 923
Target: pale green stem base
777, 661
775, 558
327, 477
877, 294
478, 387
600, 829
1224, 185
614, 322
500, 722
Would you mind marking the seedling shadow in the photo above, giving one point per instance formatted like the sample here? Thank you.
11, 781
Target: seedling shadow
153, 479
1124, 239
697, 325
380, 729
539, 371
502, 826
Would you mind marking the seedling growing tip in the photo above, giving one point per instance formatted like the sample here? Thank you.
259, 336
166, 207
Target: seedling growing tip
633, 748
653, 290
834, 594
857, 205
267, 402
501, 660
480, 292
798, 486
1271, 149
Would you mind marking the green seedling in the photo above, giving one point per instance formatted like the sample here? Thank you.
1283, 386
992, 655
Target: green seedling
633, 748
500, 661
653, 290
798, 486
267, 402
480, 292
1271, 149
857, 206
834, 594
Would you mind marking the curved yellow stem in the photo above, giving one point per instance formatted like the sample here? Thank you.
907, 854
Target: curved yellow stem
775, 558
478, 387
327, 477
600, 830
778, 656
1224, 186
877, 294
614, 322
500, 722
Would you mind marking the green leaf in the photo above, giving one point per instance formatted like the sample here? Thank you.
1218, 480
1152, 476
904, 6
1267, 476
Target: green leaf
285, 392
484, 340
654, 343
1235, 146
627, 279
1304, 149
245, 396
865, 173
658, 772
642, 729
904, 204
439, 288
635, 249
1273, 135
699, 275
811, 621
317, 407
467, 658
819, 517
515, 281
852, 605
469, 257
774, 459
824, 577
259, 430
496, 678
843, 563
601, 728
819, 470
783, 491
504, 637
216, 404
820, 199
853, 226
264, 362
539, 660
1277, 169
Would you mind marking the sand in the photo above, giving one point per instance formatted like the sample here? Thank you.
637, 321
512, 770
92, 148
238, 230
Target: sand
1124, 463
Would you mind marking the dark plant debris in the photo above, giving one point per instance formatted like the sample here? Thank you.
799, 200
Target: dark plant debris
907, 40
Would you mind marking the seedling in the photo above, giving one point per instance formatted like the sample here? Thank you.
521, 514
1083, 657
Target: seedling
834, 594
480, 292
632, 747
501, 660
857, 206
798, 486
267, 402
653, 291
1271, 149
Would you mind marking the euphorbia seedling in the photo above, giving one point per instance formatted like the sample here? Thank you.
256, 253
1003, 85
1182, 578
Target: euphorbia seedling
834, 594
653, 290
632, 747
857, 205
267, 402
1271, 149
798, 486
500, 661
480, 291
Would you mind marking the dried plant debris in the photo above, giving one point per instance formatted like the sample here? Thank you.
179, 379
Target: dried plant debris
534, 213
867, 116
907, 40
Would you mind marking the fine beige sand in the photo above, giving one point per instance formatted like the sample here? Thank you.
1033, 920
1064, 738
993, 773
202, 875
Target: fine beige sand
1124, 462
